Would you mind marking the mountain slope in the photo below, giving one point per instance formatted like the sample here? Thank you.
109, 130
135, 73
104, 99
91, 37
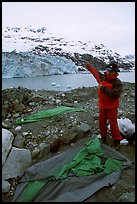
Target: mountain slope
33, 51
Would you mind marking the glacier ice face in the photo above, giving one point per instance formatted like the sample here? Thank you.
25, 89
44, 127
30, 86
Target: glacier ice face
25, 64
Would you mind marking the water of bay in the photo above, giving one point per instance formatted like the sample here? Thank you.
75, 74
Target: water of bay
64, 82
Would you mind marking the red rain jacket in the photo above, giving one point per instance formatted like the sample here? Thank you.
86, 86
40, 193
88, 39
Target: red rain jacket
109, 93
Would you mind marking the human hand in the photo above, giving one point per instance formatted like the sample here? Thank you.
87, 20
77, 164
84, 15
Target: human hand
99, 86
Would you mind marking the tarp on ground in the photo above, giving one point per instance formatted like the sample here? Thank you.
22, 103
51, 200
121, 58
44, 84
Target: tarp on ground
72, 176
45, 114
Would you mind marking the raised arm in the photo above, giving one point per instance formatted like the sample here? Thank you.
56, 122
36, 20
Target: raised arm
94, 72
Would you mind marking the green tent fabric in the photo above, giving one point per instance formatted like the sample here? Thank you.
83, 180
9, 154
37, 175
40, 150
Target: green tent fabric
31, 190
41, 115
90, 161
93, 165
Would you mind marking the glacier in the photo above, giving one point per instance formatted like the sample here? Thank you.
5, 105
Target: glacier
25, 64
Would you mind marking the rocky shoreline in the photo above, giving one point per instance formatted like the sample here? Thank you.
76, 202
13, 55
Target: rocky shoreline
54, 135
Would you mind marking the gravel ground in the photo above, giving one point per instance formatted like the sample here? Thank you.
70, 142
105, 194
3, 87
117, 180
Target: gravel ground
67, 125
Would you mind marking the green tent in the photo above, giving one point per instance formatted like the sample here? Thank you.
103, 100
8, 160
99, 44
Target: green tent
72, 176
45, 114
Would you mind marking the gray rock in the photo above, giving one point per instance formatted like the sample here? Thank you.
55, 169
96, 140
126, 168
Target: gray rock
19, 141
84, 127
5, 186
18, 107
35, 152
7, 138
18, 128
16, 163
127, 197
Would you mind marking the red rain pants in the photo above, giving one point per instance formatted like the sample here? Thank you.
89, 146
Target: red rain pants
111, 115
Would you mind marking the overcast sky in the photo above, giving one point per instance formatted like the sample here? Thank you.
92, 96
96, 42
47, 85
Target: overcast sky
109, 23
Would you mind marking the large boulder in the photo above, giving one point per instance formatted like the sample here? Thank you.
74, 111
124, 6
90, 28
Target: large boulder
17, 162
7, 139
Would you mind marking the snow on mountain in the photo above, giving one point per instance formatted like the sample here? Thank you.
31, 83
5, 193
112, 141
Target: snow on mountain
29, 51
23, 39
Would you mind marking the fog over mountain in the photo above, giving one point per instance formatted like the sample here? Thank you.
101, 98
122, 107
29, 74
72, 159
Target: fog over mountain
30, 51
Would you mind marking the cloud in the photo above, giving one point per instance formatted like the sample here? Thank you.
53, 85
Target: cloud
111, 23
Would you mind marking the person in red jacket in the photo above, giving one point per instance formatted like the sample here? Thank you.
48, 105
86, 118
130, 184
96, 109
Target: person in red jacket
109, 90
